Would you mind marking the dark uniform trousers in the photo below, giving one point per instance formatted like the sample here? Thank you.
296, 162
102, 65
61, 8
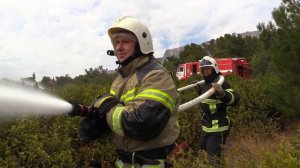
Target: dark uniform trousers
212, 143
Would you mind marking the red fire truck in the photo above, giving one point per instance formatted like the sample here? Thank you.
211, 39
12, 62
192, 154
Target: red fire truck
235, 66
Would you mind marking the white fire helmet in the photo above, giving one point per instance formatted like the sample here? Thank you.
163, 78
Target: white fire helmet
137, 28
207, 61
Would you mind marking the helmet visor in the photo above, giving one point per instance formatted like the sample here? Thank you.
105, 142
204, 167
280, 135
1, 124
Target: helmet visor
125, 37
205, 62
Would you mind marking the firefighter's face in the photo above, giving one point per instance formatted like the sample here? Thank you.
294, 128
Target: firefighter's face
207, 70
124, 45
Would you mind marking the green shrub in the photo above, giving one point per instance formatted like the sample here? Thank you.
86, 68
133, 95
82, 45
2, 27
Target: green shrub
51, 142
288, 155
192, 159
256, 112
84, 94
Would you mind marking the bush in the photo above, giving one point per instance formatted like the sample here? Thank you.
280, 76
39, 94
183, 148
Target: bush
51, 142
288, 155
256, 112
84, 94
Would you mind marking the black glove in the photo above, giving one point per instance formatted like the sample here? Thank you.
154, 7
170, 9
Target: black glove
94, 124
92, 128
78, 110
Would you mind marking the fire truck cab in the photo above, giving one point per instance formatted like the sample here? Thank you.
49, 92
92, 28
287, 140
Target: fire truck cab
235, 66
187, 69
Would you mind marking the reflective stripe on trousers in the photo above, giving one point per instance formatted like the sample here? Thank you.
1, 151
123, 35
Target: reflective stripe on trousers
120, 164
215, 126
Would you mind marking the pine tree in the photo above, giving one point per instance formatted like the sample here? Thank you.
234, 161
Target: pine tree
285, 57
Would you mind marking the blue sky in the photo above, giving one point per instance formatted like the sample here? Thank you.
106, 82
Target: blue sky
59, 37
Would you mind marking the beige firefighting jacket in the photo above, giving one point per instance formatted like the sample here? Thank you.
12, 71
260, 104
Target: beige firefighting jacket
146, 117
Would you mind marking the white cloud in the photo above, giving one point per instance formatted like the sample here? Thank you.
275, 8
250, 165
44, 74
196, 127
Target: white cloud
54, 38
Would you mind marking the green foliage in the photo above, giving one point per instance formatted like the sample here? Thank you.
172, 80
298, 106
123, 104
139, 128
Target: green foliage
233, 46
63, 80
30, 142
256, 112
51, 142
189, 120
280, 57
92, 76
192, 159
192, 52
286, 58
84, 94
171, 64
46, 81
95, 76
54, 141
287, 156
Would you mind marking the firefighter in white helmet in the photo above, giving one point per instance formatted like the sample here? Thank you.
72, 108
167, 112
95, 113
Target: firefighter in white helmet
215, 123
141, 108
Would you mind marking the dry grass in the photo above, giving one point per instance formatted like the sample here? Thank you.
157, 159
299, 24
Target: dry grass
247, 150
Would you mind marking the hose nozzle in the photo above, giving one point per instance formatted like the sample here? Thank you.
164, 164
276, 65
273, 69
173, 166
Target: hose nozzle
79, 110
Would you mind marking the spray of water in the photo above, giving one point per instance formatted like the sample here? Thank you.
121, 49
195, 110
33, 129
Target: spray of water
17, 101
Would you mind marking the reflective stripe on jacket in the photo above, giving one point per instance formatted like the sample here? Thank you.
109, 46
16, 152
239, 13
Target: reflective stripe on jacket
146, 118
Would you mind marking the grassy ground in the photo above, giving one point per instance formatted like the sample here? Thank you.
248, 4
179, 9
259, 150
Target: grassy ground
248, 150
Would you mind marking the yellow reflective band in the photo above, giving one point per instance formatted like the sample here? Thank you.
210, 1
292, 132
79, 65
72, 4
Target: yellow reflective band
232, 100
112, 92
99, 103
116, 121
129, 95
215, 126
219, 129
212, 104
120, 164
211, 101
214, 122
158, 95
160, 165
213, 108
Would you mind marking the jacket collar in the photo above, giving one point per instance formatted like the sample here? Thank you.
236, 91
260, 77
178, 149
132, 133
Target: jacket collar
135, 64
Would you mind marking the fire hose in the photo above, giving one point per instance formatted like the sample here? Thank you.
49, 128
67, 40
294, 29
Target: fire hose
197, 100
82, 110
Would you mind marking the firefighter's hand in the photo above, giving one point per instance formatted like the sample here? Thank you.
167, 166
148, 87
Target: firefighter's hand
91, 128
219, 90
94, 124
77, 110
103, 104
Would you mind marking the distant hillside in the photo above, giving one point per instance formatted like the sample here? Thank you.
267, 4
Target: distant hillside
175, 52
251, 33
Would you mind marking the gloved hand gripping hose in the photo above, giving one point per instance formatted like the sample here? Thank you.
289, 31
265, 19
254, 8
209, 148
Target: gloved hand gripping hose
79, 110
